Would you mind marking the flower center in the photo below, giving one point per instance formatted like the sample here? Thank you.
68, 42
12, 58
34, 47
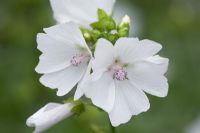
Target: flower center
79, 59
120, 75
118, 72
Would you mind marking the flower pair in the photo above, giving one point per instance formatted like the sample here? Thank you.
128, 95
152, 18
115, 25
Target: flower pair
112, 70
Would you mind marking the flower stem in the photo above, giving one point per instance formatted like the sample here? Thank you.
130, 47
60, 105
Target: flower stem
112, 129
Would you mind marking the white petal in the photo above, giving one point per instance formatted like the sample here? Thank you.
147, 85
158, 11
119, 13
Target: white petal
104, 55
79, 11
149, 48
158, 63
48, 44
58, 46
131, 49
49, 115
120, 113
64, 80
52, 63
101, 92
193, 127
69, 33
56, 55
79, 91
107, 5
135, 98
97, 74
144, 76
60, 11
125, 49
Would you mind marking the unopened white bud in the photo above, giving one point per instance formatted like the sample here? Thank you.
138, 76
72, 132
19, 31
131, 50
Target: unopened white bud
49, 115
125, 20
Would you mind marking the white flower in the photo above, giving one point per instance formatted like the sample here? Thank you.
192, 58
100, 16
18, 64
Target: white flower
83, 12
194, 127
120, 75
49, 115
64, 59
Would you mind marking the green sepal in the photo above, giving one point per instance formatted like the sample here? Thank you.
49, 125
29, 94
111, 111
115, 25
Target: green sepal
96, 34
105, 24
78, 108
123, 32
102, 14
112, 37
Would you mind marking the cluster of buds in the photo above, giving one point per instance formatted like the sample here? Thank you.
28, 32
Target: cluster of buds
107, 28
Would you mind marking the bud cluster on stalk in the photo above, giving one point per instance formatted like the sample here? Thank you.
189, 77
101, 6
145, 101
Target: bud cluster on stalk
107, 28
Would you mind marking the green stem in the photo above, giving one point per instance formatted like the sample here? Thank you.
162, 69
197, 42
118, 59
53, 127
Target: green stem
112, 129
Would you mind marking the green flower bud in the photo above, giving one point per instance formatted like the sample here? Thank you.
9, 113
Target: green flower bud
125, 21
124, 27
105, 22
86, 34
95, 35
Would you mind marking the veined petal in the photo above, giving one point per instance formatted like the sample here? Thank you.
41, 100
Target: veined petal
125, 49
121, 112
97, 74
56, 55
48, 44
104, 55
149, 48
101, 92
64, 80
158, 64
68, 33
131, 49
107, 5
144, 76
135, 98
79, 11
52, 63
79, 91
60, 12
128, 101
49, 115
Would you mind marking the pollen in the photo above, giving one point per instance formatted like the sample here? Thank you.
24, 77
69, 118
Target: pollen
79, 59
120, 75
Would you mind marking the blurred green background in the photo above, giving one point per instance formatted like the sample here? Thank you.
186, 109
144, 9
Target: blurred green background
173, 23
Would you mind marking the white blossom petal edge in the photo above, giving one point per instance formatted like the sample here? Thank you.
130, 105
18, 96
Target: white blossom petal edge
83, 12
49, 115
65, 58
121, 75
